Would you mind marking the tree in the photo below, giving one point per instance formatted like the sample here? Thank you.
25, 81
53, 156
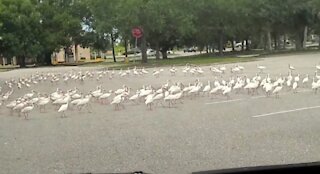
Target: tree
20, 25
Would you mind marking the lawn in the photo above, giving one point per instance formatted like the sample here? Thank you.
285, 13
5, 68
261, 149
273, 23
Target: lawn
4, 69
193, 60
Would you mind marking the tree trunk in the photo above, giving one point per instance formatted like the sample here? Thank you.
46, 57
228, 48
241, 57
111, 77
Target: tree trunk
22, 61
232, 45
144, 49
2, 62
242, 45
275, 42
66, 58
305, 37
284, 41
212, 48
125, 48
221, 43
164, 53
261, 42
319, 41
299, 41
268, 41
47, 58
157, 51
76, 52
113, 52
207, 49
247, 45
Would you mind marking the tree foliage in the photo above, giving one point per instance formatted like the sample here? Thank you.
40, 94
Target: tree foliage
37, 28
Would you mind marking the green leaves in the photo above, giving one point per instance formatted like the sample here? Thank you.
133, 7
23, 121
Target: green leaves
20, 23
32, 28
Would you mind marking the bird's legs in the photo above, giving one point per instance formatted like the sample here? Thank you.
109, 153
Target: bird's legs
150, 106
88, 106
122, 106
40, 109
63, 115
26, 116
116, 107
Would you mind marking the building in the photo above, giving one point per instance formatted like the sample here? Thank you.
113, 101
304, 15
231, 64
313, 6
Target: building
68, 56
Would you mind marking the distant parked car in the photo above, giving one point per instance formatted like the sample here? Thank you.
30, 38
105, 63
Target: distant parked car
169, 52
132, 51
191, 49
151, 52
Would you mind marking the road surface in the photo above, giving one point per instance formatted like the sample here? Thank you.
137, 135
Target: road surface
198, 134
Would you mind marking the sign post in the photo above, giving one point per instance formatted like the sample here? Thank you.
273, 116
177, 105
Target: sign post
137, 32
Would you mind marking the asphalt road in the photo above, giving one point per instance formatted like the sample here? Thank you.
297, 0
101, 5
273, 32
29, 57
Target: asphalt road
198, 134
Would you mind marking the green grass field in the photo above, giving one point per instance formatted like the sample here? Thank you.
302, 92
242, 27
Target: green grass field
5, 69
194, 60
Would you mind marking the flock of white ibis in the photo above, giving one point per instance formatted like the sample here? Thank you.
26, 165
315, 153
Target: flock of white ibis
168, 94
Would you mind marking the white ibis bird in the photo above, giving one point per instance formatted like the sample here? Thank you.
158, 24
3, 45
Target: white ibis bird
227, 91
63, 108
173, 70
277, 90
11, 105
104, 97
26, 110
238, 86
295, 86
76, 96
200, 71
42, 103
156, 73
316, 75
195, 90
84, 102
240, 67
158, 97
19, 106
117, 101
291, 68
297, 78
169, 98
144, 71
315, 85
149, 101
261, 68
120, 90
216, 89
288, 82
207, 88
306, 79
222, 69
135, 97
29, 95
268, 88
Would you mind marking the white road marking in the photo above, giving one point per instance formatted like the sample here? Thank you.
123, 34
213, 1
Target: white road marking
252, 98
226, 101
286, 111
262, 96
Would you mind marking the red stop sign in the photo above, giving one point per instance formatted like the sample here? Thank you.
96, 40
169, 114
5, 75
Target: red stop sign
137, 32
